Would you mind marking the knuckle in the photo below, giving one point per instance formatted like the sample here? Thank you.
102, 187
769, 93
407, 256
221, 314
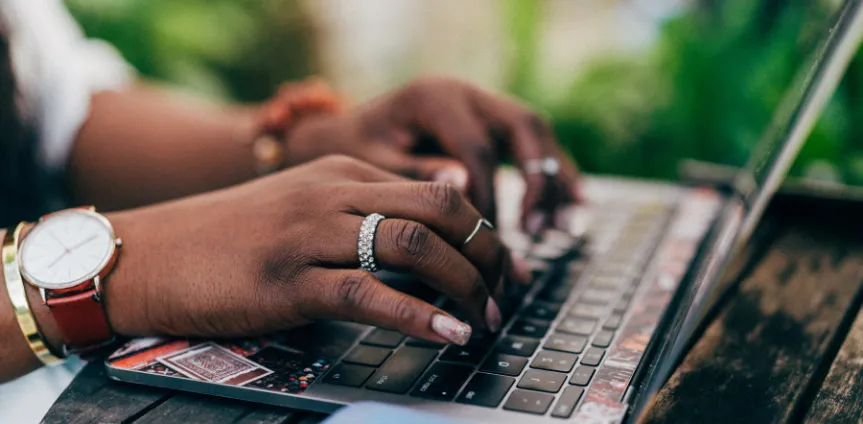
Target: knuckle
444, 198
536, 123
411, 238
404, 313
354, 292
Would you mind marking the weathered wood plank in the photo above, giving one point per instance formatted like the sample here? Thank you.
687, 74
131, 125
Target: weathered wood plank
840, 398
269, 415
188, 408
756, 359
92, 397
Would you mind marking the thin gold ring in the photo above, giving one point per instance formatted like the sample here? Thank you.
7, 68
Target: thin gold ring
481, 223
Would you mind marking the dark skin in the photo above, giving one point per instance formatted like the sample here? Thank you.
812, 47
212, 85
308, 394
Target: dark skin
280, 252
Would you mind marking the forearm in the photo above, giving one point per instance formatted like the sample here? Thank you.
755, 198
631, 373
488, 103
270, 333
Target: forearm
16, 358
142, 146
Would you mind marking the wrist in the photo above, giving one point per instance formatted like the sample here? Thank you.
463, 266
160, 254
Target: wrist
127, 291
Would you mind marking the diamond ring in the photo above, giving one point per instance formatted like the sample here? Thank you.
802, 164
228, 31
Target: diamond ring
366, 242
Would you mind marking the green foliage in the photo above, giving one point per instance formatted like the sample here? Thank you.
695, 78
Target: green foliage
707, 90
237, 49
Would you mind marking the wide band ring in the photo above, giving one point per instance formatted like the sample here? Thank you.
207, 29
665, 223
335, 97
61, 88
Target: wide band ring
366, 242
481, 223
548, 165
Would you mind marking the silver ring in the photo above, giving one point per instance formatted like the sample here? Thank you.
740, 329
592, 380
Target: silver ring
366, 242
548, 165
481, 223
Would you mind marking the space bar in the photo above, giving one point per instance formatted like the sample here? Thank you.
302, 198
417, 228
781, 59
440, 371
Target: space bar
401, 370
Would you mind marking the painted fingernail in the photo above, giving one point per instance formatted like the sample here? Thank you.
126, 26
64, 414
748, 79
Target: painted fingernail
522, 269
451, 329
453, 175
492, 316
534, 223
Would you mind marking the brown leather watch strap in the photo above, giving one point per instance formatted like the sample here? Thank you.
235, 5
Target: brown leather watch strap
81, 320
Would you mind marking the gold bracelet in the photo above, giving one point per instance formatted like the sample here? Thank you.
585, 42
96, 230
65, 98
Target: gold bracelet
18, 296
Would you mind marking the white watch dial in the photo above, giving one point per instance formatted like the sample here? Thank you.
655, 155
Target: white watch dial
66, 249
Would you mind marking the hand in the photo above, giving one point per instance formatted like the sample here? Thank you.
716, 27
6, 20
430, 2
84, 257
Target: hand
281, 251
438, 129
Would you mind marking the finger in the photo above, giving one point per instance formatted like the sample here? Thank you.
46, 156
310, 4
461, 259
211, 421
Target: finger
464, 137
357, 296
425, 168
355, 169
528, 137
408, 246
449, 214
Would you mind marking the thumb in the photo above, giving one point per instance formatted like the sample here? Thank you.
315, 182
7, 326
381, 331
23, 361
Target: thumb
425, 168
445, 170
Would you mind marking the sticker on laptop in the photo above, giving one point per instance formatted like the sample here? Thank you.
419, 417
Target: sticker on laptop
211, 363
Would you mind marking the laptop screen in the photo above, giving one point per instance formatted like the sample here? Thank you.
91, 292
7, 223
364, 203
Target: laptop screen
837, 40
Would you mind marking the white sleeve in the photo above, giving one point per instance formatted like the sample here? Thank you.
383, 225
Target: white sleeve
57, 71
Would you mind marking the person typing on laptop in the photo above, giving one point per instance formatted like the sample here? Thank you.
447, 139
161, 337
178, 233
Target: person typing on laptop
228, 254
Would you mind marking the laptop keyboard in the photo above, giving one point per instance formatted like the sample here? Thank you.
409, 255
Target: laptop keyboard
554, 337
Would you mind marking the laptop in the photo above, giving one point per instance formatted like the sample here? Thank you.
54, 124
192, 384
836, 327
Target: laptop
592, 340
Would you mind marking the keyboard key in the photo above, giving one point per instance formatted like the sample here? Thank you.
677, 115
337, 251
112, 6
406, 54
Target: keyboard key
442, 381
527, 401
566, 404
579, 326
509, 305
528, 329
598, 296
349, 375
582, 375
587, 310
606, 282
517, 346
482, 338
424, 343
553, 294
400, 371
554, 361
621, 306
367, 355
612, 322
470, 355
593, 356
542, 311
603, 338
499, 363
486, 390
544, 381
384, 338
565, 343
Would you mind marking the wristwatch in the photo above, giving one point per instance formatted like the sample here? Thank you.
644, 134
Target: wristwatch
67, 255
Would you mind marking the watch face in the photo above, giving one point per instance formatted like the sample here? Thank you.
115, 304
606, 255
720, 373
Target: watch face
67, 249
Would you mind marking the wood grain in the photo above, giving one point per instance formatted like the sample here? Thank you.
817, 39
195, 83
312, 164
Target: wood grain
755, 361
92, 397
840, 398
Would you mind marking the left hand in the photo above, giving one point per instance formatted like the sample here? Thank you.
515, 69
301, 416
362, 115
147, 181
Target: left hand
440, 129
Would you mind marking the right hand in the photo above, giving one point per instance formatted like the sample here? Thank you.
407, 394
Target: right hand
281, 252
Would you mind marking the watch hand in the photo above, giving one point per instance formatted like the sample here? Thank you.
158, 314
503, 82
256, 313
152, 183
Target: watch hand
89, 239
56, 260
58, 240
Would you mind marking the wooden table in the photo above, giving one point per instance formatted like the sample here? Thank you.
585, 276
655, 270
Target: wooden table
785, 343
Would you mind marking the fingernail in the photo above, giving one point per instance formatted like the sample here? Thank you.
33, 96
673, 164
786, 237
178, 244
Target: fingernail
492, 316
522, 269
534, 223
453, 175
451, 329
